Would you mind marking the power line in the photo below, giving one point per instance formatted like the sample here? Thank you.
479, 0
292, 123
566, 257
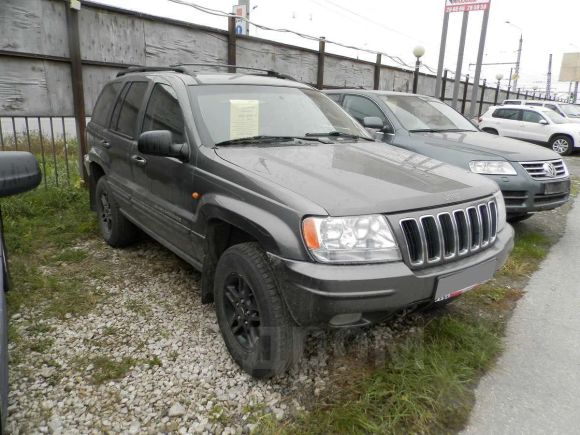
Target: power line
216, 12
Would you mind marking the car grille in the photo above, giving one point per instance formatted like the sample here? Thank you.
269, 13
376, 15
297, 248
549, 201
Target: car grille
432, 239
537, 171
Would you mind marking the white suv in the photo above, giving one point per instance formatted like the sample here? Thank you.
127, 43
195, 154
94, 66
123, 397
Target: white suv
568, 110
533, 124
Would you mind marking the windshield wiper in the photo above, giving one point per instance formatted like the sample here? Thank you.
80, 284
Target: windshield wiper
437, 130
260, 139
339, 134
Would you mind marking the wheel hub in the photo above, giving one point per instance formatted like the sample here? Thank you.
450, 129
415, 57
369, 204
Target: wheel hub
241, 311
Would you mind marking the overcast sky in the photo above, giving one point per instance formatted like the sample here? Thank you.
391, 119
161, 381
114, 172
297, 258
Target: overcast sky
396, 26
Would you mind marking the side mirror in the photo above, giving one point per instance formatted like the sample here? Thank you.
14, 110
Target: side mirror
19, 172
160, 143
543, 122
372, 122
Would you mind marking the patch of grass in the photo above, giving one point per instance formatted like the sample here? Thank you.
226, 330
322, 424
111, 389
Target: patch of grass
425, 387
39, 228
529, 249
106, 369
138, 307
154, 362
70, 256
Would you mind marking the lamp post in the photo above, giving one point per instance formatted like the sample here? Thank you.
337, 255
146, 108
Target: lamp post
418, 52
517, 72
498, 77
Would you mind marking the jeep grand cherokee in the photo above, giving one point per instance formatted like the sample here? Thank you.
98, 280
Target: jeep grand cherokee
295, 217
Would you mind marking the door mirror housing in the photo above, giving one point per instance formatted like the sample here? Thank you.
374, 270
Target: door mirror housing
373, 122
160, 143
543, 122
19, 172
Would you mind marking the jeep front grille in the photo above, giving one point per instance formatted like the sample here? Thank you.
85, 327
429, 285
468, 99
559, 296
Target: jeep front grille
537, 171
432, 239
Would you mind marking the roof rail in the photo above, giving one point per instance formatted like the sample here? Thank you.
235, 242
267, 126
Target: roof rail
134, 69
269, 72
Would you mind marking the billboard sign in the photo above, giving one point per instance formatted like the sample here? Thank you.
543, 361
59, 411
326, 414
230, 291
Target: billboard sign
241, 23
466, 5
570, 70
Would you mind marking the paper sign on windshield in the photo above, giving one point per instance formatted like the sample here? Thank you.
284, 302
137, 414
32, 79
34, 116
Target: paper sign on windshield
244, 118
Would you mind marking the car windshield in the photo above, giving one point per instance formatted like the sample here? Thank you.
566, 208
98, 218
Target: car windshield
417, 113
555, 117
570, 110
234, 112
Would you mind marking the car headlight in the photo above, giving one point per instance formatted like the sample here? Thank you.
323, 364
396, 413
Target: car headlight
501, 211
353, 239
492, 167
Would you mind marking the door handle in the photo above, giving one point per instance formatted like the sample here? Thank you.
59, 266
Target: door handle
105, 143
138, 160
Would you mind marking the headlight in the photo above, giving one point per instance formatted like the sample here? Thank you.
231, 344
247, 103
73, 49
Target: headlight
354, 239
501, 212
492, 167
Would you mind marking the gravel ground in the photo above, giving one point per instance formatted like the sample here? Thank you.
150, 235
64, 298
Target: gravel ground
149, 358
181, 378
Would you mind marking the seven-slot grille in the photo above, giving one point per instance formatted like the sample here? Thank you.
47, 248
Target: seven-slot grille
440, 238
537, 170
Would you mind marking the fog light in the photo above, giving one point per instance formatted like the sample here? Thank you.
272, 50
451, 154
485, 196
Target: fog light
345, 319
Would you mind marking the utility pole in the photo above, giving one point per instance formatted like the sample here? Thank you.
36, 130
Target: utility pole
549, 79
575, 92
517, 73
475, 88
460, 59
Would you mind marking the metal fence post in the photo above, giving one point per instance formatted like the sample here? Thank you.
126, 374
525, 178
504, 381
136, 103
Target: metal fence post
526, 96
320, 75
482, 97
465, 87
496, 94
443, 86
508, 93
518, 94
377, 78
72, 20
232, 43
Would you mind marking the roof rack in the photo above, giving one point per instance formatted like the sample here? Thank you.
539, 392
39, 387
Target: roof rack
134, 69
269, 72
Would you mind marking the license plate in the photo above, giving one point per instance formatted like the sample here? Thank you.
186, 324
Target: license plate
453, 285
555, 188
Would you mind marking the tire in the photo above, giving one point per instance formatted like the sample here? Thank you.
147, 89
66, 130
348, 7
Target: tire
562, 144
518, 217
490, 131
245, 287
115, 228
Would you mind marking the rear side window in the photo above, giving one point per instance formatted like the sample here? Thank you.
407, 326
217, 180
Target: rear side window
126, 123
529, 116
334, 97
104, 106
163, 113
513, 114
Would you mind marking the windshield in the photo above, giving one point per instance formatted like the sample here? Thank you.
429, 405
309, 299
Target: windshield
556, 118
571, 110
233, 112
425, 114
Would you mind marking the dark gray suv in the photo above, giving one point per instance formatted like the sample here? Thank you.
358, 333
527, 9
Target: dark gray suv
531, 178
295, 217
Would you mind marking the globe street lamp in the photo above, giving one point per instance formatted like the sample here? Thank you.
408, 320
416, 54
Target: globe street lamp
498, 77
418, 52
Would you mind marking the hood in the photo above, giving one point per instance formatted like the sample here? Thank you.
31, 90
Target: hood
452, 147
360, 178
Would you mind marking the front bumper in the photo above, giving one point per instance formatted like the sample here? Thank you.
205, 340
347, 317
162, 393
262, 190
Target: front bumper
525, 195
314, 293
